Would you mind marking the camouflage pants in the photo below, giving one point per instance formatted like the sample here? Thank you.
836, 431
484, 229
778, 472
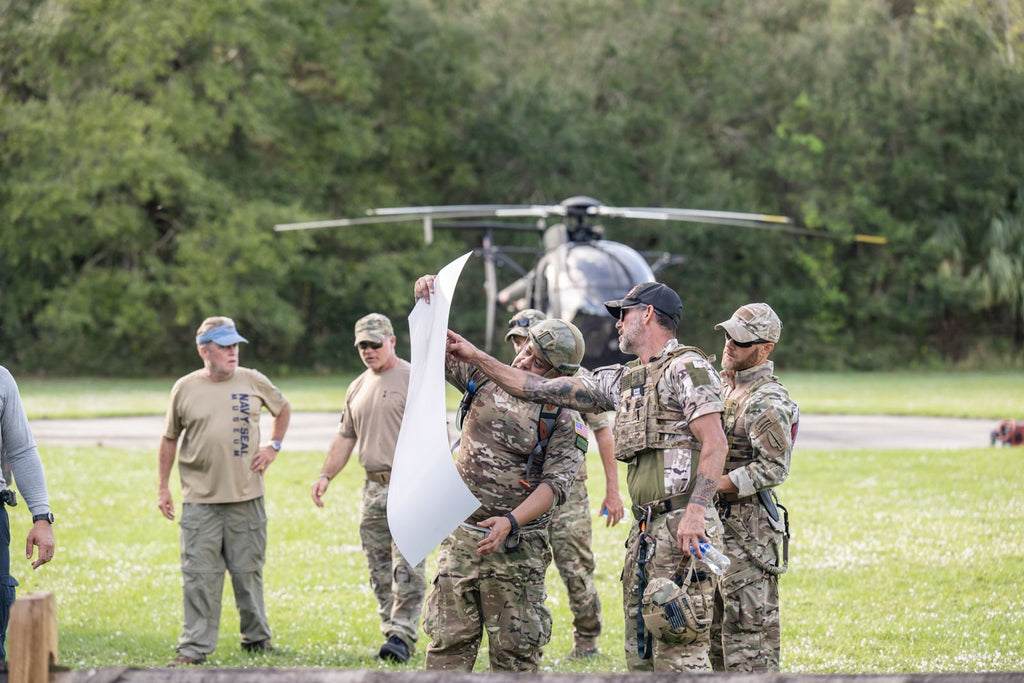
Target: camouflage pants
663, 561
570, 536
398, 586
502, 593
745, 633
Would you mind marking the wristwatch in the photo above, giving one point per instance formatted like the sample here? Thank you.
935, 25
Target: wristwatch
276, 445
47, 517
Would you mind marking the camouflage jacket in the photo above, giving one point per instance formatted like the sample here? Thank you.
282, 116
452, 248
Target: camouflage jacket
760, 423
499, 432
690, 386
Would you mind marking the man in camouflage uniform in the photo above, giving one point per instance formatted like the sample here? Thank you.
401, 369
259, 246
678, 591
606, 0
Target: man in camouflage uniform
668, 429
570, 532
374, 406
760, 424
519, 459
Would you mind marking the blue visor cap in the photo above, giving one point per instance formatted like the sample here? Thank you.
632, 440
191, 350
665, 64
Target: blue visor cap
225, 335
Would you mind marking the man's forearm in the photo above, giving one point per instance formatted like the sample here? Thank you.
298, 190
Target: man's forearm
606, 449
511, 379
168, 449
279, 427
563, 391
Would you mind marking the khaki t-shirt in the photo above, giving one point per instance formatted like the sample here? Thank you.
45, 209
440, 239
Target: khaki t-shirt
221, 425
374, 406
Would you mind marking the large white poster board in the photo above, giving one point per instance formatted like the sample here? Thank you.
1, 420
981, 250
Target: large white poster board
427, 498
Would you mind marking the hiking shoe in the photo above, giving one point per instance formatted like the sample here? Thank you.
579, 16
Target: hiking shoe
582, 653
260, 646
185, 660
394, 650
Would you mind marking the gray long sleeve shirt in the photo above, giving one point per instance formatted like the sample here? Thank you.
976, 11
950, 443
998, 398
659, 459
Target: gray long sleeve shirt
18, 451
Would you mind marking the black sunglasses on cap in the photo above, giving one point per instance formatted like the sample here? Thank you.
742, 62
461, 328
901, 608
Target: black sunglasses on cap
745, 345
519, 322
369, 345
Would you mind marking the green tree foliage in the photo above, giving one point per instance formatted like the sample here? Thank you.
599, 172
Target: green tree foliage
146, 149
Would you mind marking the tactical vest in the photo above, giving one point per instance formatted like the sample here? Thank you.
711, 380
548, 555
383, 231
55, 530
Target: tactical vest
741, 451
645, 428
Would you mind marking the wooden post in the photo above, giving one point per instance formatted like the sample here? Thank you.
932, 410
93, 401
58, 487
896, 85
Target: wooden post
32, 638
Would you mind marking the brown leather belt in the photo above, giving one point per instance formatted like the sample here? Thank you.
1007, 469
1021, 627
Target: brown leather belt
379, 477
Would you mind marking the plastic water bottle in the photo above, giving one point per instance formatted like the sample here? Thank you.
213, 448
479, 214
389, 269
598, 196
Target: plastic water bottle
713, 558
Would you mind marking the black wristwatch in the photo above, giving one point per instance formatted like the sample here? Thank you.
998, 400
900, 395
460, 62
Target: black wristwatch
47, 517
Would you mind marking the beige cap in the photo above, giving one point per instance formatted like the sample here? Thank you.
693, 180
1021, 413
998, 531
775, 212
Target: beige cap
521, 321
753, 322
374, 328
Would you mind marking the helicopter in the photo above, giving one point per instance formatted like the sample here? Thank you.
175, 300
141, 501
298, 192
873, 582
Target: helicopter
577, 269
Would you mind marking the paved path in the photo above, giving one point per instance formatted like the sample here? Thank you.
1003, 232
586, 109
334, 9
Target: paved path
314, 431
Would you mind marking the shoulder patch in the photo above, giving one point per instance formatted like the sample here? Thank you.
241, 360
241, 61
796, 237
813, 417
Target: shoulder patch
698, 375
582, 435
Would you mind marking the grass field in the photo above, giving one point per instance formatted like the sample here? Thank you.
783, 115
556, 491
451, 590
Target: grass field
967, 394
901, 561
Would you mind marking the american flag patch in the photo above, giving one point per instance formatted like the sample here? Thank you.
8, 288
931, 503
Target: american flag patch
581, 435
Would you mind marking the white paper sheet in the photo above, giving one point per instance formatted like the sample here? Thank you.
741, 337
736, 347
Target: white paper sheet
427, 498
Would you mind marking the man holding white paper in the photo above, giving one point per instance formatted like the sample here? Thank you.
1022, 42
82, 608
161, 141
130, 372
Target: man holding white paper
519, 459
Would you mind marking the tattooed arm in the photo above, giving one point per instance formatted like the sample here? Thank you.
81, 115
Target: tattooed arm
568, 392
713, 448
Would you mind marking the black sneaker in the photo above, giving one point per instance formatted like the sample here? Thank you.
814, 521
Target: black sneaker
259, 646
394, 650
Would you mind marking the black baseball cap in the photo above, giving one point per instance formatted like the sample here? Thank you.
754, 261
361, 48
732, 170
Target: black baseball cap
664, 300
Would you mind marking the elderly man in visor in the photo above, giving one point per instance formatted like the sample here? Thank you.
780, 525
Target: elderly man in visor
215, 411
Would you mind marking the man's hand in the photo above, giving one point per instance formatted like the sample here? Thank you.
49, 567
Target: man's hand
261, 461
612, 507
423, 287
319, 489
500, 527
165, 503
459, 349
41, 536
691, 529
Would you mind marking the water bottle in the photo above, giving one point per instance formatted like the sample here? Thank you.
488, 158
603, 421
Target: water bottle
713, 558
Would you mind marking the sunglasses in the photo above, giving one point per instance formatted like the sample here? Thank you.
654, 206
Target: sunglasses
622, 311
745, 345
369, 345
519, 322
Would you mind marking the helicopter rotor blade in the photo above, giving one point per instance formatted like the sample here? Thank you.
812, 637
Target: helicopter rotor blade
461, 210
589, 207
740, 220
694, 216
338, 223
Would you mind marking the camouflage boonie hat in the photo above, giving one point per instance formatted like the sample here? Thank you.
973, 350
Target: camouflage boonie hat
373, 328
753, 322
521, 321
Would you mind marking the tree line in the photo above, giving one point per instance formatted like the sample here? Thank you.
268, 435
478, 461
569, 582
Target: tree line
147, 149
